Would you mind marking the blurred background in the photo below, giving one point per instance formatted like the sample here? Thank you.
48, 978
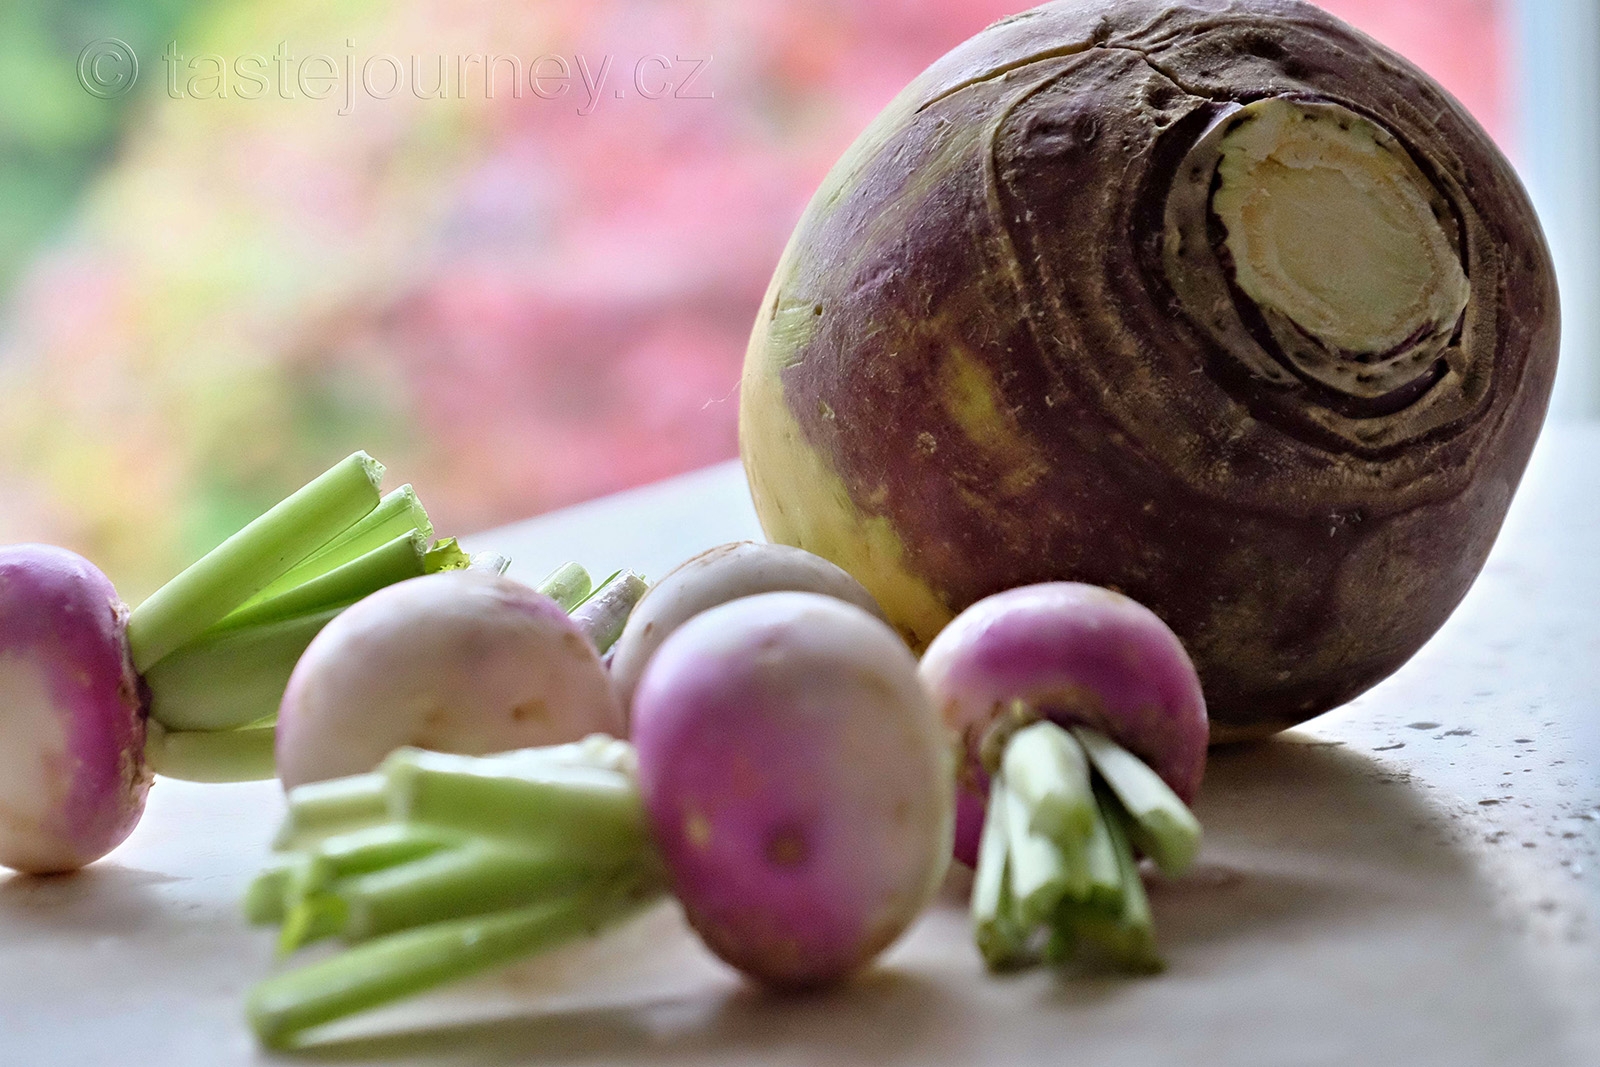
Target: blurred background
306, 227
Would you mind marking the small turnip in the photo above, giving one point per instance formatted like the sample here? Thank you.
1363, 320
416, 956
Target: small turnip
791, 783
464, 662
72, 774
1044, 684
715, 576
94, 697
797, 783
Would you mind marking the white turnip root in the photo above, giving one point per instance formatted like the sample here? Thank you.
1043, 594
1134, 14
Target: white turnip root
715, 576
791, 783
466, 662
72, 724
1083, 725
797, 781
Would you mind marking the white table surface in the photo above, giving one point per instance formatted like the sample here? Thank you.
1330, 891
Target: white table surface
1372, 890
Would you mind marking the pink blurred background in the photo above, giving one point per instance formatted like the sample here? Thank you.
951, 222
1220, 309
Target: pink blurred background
514, 305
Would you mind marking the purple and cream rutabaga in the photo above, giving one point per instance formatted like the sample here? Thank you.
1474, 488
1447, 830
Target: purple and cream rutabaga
1219, 303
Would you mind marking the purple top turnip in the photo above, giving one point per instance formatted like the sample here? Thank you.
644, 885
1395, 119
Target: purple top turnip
796, 780
93, 697
462, 662
791, 783
715, 576
1123, 699
72, 783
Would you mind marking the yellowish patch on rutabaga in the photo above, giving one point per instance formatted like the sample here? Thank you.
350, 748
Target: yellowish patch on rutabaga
790, 328
1331, 223
971, 398
818, 514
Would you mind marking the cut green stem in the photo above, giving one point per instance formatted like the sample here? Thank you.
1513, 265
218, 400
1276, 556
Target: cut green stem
1105, 876
474, 879
490, 562
252, 559
373, 848
1040, 873
397, 514
233, 677
1048, 772
543, 805
244, 755
604, 614
378, 848
445, 555
1122, 937
1001, 938
404, 557
319, 810
1135, 943
1160, 824
567, 585
390, 968
265, 899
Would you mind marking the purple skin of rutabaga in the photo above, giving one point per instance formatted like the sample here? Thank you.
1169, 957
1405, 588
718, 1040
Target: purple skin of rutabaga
72, 713
1077, 654
797, 781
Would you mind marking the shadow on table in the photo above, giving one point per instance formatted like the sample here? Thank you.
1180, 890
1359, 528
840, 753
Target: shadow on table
1306, 844
100, 900
874, 1020
1302, 833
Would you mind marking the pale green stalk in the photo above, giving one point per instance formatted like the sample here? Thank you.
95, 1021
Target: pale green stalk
233, 677
252, 559
244, 755
567, 585
1160, 824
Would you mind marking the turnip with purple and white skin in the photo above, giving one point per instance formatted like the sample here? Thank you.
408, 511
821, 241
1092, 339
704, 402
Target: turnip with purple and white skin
789, 781
72, 727
717, 575
95, 697
797, 782
1084, 732
462, 662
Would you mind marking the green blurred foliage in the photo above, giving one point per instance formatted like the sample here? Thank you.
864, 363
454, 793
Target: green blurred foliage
54, 136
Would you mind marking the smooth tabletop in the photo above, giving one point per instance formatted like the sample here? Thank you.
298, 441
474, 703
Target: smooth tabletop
1408, 879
